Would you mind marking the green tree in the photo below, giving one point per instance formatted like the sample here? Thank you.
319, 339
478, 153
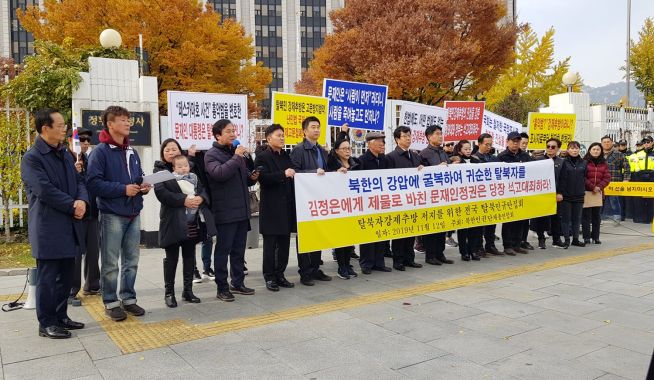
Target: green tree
50, 77
642, 60
534, 75
14, 140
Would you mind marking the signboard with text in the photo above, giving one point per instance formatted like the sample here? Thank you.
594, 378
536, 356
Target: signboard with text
418, 117
499, 127
140, 133
360, 105
289, 110
543, 126
464, 120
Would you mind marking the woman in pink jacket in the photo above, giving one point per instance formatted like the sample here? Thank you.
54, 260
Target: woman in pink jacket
597, 178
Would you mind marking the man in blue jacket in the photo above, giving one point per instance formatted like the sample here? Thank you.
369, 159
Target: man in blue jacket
57, 203
115, 177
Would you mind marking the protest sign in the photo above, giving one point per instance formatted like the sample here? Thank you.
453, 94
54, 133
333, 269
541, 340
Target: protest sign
418, 117
191, 116
361, 105
543, 126
337, 210
499, 127
464, 120
630, 189
290, 110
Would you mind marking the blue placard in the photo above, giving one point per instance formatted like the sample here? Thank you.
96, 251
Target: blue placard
361, 105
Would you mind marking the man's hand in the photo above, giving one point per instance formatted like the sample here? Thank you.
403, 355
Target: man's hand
145, 188
443, 164
342, 170
80, 209
254, 176
192, 150
198, 201
79, 166
345, 127
420, 167
241, 150
320, 171
132, 190
190, 202
290, 173
559, 197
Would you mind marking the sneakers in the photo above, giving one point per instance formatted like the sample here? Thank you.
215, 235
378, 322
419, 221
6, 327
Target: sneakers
116, 314
243, 290
225, 295
196, 276
418, 247
351, 272
451, 243
209, 273
134, 309
578, 243
284, 283
343, 273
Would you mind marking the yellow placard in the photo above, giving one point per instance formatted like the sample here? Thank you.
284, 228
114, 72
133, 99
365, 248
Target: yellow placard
630, 189
289, 110
543, 126
314, 235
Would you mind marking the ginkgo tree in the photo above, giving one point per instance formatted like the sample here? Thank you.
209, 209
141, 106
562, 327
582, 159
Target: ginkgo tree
532, 78
189, 48
642, 60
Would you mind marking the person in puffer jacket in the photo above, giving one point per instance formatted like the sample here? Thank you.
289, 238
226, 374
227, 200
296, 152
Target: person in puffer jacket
570, 192
597, 178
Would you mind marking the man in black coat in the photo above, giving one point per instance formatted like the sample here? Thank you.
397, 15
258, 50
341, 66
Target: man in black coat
372, 254
484, 154
309, 157
403, 157
434, 155
57, 203
512, 231
229, 179
276, 207
552, 222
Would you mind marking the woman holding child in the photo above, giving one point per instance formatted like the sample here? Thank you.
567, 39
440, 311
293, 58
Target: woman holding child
185, 219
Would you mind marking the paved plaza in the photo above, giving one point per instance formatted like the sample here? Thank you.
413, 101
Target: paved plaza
582, 313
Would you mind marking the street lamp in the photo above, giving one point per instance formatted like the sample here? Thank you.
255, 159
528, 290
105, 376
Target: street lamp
110, 39
569, 79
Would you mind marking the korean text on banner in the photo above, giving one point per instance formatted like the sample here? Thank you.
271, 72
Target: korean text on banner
361, 105
418, 117
289, 110
463, 120
543, 126
630, 189
337, 210
191, 116
499, 127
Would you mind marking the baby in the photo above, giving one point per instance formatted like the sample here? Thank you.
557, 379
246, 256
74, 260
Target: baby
187, 181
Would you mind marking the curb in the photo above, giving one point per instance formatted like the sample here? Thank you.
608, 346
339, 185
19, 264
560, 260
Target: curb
13, 272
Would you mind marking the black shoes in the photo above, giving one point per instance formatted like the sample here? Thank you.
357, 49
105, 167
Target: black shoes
321, 276
225, 295
54, 332
465, 257
134, 309
69, 324
541, 244
527, 246
413, 265
188, 296
521, 250
559, 244
170, 300
509, 251
433, 261
399, 267
444, 260
382, 269
284, 283
116, 314
577, 243
307, 281
586, 241
494, 251
597, 241
366, 270
475, 257
242, 290
272, 286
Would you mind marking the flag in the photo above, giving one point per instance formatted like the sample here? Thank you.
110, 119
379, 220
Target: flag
76, 146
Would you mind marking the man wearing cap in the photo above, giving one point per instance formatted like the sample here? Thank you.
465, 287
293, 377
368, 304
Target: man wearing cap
88, 262
484, 154
512, 231
434, 155
619, 170
403, 157
622, 148
371, 255
642, 167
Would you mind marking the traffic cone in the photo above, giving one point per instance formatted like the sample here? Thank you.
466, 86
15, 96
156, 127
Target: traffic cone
31, 290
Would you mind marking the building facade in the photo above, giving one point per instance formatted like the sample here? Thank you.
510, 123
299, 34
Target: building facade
15, 42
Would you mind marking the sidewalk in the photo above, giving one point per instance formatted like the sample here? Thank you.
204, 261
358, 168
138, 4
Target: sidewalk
525, 317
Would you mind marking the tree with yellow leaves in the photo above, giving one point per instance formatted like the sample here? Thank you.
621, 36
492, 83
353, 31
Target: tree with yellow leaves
189, 49
642, 60
531, 79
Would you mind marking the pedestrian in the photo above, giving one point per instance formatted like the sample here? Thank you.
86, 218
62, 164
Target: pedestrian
570, 191
57, 202
116, 180
403, 157
597, 178
433, 155
619, 171
276, 207
470, 239
551, 223
524, 244
184, 219
87, 265
643, 171
309, 157
229, 179
372, 254
340, 160
485, 155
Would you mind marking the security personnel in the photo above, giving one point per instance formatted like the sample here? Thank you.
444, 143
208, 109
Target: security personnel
642, 169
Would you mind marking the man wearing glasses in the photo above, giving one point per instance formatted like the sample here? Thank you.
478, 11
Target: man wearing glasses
551, 223
484, 154
89, 264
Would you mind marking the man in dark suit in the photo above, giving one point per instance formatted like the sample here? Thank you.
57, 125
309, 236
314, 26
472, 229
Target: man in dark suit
57, 203
403, 157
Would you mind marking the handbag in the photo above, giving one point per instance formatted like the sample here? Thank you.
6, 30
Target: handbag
592, 199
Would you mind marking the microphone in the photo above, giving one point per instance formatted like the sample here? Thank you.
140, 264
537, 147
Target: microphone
236, 143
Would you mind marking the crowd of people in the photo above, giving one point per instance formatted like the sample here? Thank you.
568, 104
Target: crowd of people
92, 203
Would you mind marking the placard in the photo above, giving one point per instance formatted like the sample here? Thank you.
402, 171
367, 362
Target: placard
360, 105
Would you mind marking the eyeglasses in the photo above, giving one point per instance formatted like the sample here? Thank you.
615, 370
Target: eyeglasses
552, 147
345, 149
85, 139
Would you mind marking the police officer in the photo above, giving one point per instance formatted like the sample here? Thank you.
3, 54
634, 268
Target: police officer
642, 169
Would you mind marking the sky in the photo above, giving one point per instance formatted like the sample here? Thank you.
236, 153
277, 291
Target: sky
592, 32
